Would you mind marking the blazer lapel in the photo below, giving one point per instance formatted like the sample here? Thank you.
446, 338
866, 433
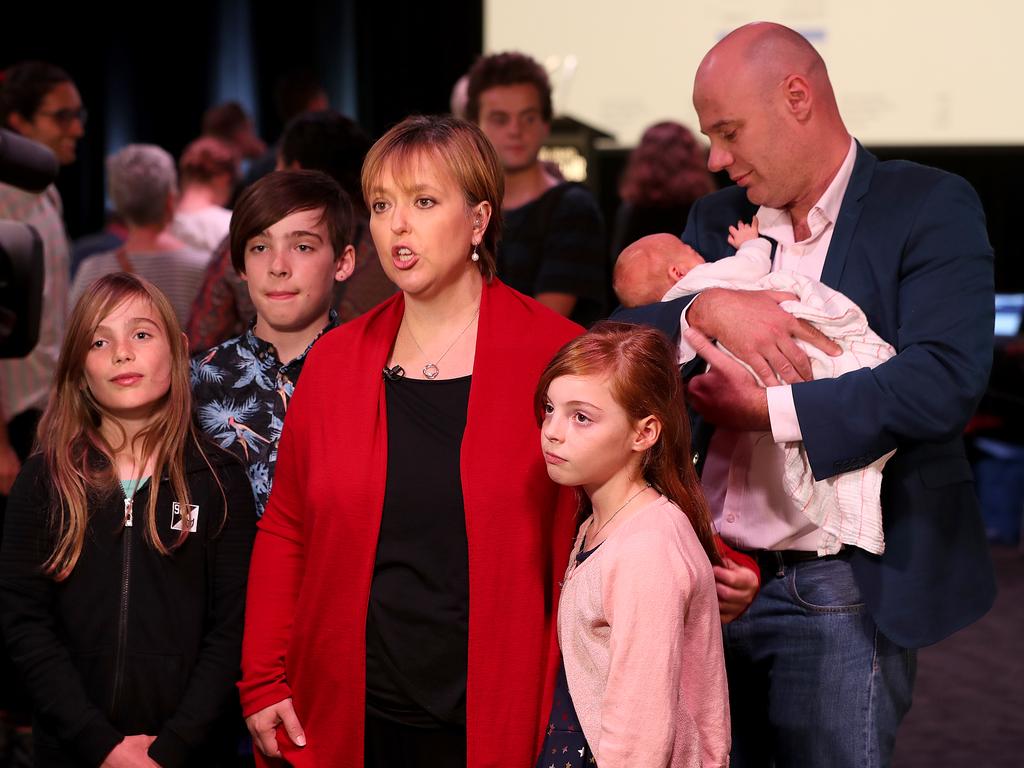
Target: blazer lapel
849, 214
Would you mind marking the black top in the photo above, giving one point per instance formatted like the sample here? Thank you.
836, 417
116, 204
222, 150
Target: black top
132, 641
556, 244
417, 627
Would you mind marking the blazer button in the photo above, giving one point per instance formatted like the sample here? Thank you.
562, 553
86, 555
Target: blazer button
696, 458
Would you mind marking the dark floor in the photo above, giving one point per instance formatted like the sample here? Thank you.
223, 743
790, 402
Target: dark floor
968, 709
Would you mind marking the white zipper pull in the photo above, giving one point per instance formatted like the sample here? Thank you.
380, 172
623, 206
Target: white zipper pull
127, 513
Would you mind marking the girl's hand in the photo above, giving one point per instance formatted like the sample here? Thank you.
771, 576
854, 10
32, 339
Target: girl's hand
132, 752
263, 727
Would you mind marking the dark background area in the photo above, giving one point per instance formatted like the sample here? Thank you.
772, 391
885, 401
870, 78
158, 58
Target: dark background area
148, 74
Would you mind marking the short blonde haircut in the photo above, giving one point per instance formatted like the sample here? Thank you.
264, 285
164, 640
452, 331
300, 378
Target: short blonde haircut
461, 149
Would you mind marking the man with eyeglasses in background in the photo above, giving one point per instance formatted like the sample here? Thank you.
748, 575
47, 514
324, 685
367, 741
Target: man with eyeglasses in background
40, 102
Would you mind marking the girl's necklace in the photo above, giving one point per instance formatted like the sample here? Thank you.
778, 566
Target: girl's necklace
625, 504
430, 370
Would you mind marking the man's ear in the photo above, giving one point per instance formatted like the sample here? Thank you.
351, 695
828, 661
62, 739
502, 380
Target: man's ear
797, 93
648, 430
345, 264
18, 123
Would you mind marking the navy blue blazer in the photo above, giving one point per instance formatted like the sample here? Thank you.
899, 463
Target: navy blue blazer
910, 248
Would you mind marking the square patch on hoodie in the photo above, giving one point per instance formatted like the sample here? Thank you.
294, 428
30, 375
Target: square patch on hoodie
178, 520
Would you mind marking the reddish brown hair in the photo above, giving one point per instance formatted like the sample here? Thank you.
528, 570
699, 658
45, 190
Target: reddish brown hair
642, 372
206, 158
667, 168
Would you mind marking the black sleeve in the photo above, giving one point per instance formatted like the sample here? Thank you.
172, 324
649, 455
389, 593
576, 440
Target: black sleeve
27, 600
575, 259
211, 687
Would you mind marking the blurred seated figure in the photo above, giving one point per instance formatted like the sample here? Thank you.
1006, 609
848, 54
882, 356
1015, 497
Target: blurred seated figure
207, 172
664, 175
143, 186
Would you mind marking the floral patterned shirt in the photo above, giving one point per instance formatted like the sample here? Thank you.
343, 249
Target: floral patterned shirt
241, 391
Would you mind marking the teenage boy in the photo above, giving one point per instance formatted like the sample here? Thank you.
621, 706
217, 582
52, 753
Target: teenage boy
552, 246
291, 240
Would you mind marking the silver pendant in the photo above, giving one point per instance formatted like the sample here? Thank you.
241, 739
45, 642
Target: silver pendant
431, 371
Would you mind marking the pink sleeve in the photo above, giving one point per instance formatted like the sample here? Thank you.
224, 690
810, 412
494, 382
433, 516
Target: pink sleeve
646, 587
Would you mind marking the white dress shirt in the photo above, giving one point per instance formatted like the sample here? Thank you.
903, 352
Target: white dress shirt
748, 502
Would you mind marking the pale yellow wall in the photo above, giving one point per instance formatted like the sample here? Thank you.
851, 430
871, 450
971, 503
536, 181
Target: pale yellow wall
905, 71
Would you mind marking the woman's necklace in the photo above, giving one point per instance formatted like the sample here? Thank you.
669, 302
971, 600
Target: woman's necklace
625, 504
430, 370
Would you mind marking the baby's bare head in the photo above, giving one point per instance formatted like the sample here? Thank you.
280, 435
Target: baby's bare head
646, 269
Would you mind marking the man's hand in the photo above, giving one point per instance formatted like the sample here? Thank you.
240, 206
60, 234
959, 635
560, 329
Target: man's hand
132, 752
263, 727
727, 395
736, 587
10, 465
752, 326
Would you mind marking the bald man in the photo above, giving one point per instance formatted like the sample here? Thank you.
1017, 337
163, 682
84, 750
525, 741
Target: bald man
821, 665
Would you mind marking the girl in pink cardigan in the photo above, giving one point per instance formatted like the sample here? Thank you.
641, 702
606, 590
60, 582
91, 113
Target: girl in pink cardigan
638, 619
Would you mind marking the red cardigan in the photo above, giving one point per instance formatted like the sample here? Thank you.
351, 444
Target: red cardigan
305, 624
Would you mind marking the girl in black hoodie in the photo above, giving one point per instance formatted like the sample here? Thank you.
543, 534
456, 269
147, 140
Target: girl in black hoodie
126, 549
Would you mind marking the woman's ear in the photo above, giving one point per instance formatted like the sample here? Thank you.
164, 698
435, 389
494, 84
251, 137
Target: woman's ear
481, 214
648, 430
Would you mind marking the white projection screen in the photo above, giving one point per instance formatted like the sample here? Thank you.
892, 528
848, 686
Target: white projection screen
906, 72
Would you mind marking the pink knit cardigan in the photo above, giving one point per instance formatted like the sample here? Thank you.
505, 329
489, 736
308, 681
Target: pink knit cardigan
642, 642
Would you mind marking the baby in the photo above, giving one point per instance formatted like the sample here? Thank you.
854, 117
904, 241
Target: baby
661, 266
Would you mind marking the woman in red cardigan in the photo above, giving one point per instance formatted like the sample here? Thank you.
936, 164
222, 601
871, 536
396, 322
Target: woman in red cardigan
405, 575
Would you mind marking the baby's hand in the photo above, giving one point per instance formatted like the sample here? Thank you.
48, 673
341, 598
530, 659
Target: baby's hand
743, 233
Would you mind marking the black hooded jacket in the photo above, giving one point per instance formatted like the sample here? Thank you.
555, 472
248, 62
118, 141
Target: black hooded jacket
132, 642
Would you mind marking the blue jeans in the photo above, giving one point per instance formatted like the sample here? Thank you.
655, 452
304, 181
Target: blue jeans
812, 681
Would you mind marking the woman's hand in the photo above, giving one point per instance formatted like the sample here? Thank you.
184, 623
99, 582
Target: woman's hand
263, 727
132, 752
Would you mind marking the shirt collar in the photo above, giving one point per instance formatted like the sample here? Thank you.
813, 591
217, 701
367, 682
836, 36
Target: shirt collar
776, 221
262, 348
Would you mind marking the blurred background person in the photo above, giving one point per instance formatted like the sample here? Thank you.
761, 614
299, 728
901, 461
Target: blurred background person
40, 102
143, 186
207, 173
295, 93
553, 246
230, 123
664, 175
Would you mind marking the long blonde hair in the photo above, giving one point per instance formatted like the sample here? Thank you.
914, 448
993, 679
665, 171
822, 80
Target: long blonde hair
69, 430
